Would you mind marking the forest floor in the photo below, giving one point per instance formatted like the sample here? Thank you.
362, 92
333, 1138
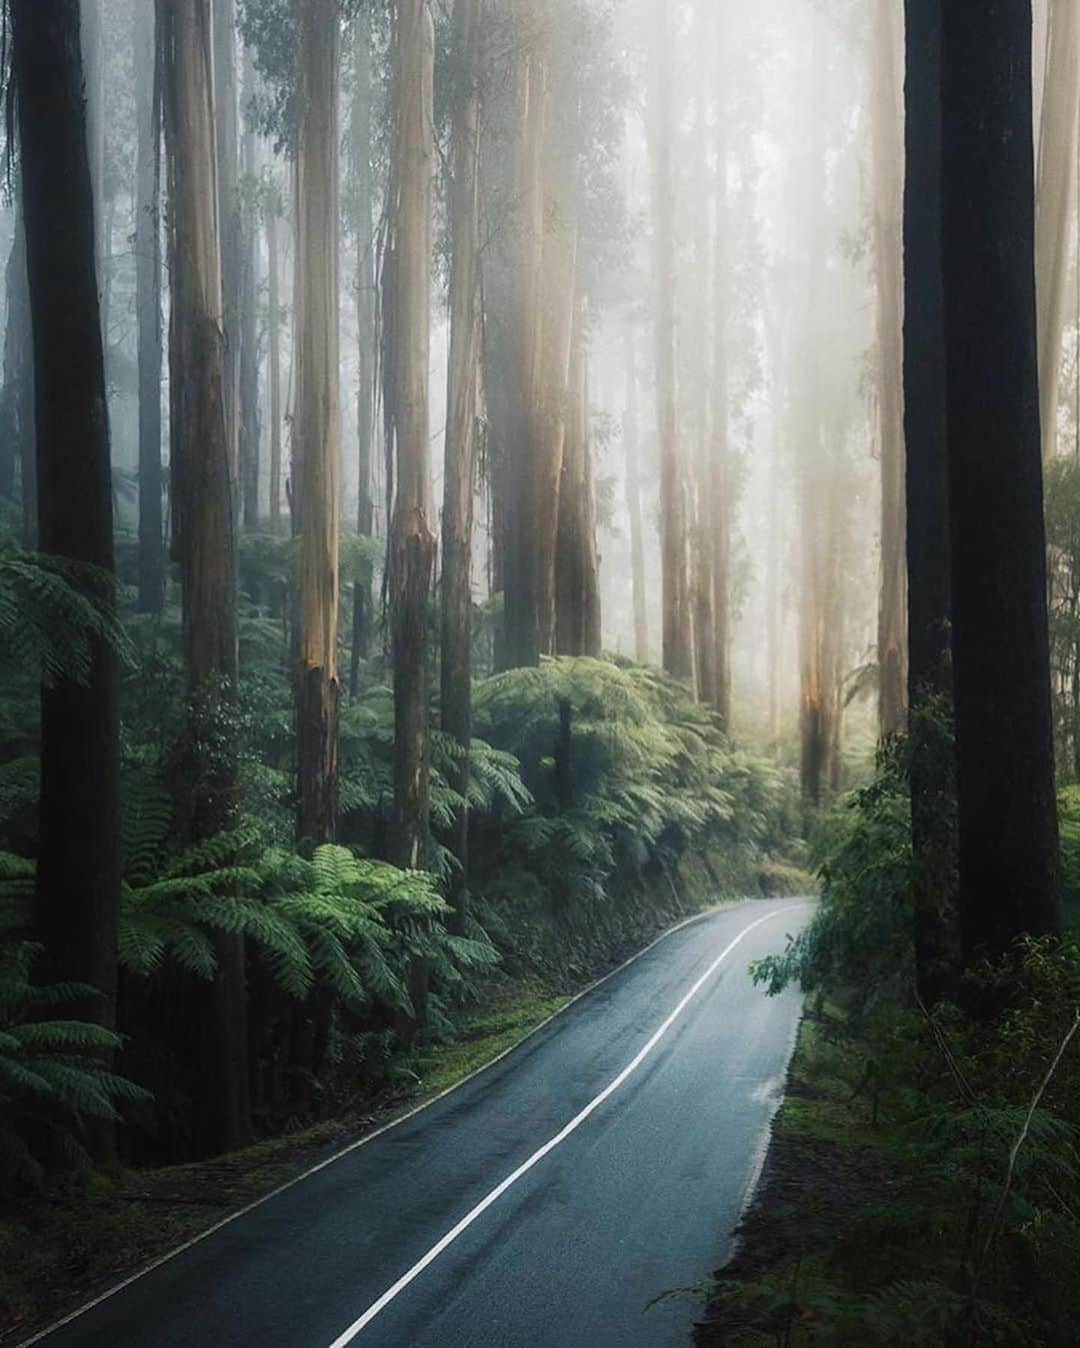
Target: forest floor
826, 1163
64, 1245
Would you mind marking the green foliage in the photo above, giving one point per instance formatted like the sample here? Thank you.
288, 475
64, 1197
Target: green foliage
974, 1113
54, 1073
861, 937
53, 612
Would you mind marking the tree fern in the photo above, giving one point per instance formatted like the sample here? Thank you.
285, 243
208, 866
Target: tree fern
52, 1071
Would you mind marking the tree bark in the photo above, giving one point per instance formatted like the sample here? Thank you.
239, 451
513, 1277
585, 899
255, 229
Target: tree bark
1008, 837
632, 449
17, 405
229, 223
148, 309
678, 650
78, 875
461, 429
216, 1042
718, 484
578, 579
250, 429
929, 674
361, 173
1056, 201
407, 283
887, 115
316, 429
273, 263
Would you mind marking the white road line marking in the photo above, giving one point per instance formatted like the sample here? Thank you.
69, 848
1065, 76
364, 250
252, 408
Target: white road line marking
575, 1123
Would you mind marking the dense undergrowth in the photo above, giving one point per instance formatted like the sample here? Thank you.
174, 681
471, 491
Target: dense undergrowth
604, 800
947, 1139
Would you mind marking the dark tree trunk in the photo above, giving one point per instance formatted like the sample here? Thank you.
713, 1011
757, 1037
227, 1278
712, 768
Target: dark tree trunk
215, 1043
461, 432
78, 878
1008, 833
929, 674
148, 311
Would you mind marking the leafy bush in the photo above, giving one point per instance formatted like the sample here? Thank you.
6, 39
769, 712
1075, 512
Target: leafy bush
975, 1238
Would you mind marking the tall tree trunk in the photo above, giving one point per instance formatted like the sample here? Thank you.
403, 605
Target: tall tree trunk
217, 1044
578, 579
929, 677
230, 232
537, 509
148, 309
249, 323
774, 598
631, 445
407, 285
719, 485
78, 876
702, 550
365, 328
678, 651
544, 322
511, 145
816, 701
316, 430
17, 405
887, 118
273, 264
1008, 833
461, 424
93, 55
1056, 203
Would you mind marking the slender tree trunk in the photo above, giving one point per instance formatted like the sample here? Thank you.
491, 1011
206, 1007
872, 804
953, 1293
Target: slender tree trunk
702, 549
17, 408
217, 1044
888, 247
93, 56
316, 431
1004, 741
537, 508
774, 599
461, 424
719, 483
273, 262
365, 329
78, 876
578, 627
1056, 203
407, 294
633, 502
929, 676
249, 324
544, 321
148, 309
510, 186
230, 231
678, 654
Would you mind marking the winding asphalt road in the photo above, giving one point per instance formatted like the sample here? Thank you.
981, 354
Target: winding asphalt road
543, 1204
